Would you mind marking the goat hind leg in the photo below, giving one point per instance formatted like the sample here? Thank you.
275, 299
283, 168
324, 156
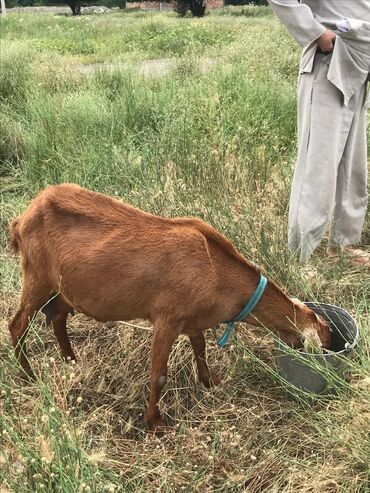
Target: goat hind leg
33, 297
18, 329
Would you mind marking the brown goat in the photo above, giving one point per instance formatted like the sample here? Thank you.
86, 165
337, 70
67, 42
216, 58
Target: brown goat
87, 251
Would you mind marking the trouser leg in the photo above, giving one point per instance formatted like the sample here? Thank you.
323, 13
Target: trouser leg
351, 192
323, 127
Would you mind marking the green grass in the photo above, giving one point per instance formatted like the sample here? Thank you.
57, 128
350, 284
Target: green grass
134, 35
212, 136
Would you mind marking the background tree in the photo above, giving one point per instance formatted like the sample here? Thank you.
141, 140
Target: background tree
75, 6
196, 7
3, 8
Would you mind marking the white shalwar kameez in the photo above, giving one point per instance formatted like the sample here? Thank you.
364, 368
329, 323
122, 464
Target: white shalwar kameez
330, 181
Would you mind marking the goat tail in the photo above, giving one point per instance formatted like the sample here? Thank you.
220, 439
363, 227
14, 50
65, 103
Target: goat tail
15, 237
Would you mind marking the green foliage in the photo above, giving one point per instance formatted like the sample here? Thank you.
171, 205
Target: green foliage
75, 5
112, 3
15, 73
12, 138
130, 116
247, 10
150, 35
19, 3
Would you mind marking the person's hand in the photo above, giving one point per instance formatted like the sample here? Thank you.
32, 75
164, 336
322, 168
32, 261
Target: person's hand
326, 41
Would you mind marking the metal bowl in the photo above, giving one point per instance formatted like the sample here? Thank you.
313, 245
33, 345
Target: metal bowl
306, 374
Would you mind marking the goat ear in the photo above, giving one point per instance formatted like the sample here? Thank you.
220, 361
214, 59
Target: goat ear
298, 303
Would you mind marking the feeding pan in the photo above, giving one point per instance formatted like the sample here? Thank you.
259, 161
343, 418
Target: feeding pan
306, 374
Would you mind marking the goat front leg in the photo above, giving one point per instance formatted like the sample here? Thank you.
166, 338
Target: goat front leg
163, 338
60, 331
207, 378
57, 311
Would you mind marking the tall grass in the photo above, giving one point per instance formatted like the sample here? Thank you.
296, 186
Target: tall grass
213, 136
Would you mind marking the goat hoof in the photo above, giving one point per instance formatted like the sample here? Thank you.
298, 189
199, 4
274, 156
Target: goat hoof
211, 381
159, 428
160, 431
27, 376
69, 358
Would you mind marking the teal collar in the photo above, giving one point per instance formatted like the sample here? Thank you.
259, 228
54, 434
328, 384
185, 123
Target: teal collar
249, 307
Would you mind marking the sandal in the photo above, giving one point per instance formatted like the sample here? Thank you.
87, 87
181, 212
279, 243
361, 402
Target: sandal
357, 257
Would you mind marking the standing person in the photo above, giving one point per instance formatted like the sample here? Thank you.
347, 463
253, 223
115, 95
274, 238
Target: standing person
330, 181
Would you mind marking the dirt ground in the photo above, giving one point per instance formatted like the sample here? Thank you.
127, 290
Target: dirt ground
145, 67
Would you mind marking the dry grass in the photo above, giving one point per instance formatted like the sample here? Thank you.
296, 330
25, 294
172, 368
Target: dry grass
244, 435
